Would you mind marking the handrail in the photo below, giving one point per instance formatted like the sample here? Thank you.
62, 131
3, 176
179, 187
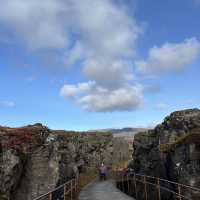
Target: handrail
70, 189
73, 190
133, 180
129, 183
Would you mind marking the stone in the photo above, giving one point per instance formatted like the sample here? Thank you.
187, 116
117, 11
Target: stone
177, 162
35, 159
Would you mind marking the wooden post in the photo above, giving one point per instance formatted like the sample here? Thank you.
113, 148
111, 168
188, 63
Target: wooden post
78, 184
75, 185
50, 196
135, 186
158, 187
71, 189
123, 189
145, 187
179, 192
128, 187
65, 198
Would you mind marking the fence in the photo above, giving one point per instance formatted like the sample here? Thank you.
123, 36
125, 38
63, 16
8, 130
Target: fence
67, 191
70, 189
143, 187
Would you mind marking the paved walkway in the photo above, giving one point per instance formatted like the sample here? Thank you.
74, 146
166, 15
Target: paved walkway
104, 190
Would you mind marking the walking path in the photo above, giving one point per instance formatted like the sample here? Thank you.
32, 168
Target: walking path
104, 190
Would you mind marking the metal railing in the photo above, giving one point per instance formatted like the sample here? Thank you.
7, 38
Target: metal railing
70, 190
143, 187
67, 191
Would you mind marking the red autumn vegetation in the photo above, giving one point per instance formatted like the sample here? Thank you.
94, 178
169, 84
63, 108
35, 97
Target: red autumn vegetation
19, 138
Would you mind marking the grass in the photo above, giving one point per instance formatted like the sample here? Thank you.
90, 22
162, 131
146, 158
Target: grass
87, 177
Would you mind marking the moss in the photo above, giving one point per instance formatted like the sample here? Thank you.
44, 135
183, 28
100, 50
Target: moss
192, 137
23, 156
143, 136
3, 196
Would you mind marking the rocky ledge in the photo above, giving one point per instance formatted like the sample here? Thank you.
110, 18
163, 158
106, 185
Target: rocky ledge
172, 150
35, 159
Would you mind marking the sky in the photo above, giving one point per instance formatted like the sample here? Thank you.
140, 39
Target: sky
90, 64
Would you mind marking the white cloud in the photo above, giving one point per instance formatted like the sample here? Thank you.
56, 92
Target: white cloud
37, 23
98, 35
9, 104
161, 106
170, 57
108, 73
94, 98
73, 90
103, 28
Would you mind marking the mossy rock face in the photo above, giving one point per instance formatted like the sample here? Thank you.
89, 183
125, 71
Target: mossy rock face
171, 150
3, 197
52, 158
192, 137
143, 136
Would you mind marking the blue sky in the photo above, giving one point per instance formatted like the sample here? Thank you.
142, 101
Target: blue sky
96, 64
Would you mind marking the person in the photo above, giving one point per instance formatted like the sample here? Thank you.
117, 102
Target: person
103, 172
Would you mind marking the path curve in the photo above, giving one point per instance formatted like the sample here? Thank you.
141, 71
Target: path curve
104, 190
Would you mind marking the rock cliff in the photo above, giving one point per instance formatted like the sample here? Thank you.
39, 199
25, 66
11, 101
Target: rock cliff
35, 159
172, 150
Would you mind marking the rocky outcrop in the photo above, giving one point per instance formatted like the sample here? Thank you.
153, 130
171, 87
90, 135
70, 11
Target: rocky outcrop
35, 159
172, 150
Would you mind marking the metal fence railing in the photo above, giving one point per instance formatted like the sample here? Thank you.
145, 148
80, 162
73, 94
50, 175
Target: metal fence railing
71, 189
67, 191
143, 187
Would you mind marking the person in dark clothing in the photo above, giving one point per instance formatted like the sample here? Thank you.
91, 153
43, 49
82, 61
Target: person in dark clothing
103, 172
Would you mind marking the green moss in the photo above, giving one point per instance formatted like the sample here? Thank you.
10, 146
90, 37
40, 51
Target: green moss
192, 137
143, 136
23, 156
3, 196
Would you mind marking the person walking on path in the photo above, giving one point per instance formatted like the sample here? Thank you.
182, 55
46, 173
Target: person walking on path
103, 172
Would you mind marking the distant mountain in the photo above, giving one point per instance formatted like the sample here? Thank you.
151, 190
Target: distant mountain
127, 133
122, 130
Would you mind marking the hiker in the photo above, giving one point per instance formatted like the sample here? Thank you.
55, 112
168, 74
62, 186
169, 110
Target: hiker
103, 172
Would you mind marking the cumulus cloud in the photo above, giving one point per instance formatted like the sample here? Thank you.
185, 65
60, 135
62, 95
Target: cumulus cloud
99, 36
94, 98
37, 23
109, 73
170, 57
74, 90
8, 104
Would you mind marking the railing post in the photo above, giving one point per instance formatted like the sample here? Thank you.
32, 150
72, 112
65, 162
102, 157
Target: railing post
78, 184
158, 186
65, 192
50, 196
128, 187
145, 187
123, 183
71, 190
75, 186
135, 186
179, 192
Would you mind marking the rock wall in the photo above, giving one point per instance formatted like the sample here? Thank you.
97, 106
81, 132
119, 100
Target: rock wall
35, 159
171, 151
